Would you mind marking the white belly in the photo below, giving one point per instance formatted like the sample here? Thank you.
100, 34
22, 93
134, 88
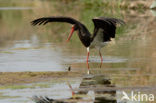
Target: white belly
97, 45
98, 40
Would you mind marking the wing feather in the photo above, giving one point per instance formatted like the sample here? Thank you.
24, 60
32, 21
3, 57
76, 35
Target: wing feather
108, 25
41, 99
46, 20
83, 32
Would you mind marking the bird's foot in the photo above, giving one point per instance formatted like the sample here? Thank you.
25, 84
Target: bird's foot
88, 72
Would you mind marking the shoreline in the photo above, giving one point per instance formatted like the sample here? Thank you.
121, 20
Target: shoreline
14, 78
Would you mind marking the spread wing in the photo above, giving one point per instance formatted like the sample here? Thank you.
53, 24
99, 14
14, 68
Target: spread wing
46, 20
83, 32
105, 28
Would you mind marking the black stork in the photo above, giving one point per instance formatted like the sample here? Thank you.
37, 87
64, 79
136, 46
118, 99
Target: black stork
104, 30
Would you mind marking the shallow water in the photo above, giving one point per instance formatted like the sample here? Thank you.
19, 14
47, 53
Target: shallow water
53, 89
129, 61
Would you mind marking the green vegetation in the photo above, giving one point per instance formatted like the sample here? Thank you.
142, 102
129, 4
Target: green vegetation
85, 11
58, 32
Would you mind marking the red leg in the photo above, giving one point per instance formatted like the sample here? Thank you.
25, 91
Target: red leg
73, 93
87, 59
101, 59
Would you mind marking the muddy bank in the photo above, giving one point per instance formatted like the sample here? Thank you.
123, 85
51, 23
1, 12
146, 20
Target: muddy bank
11, 78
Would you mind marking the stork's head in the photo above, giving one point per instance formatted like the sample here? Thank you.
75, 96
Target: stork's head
83, 33
74, 28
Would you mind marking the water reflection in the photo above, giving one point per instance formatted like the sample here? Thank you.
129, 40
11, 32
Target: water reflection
54, 89
98, 89
87, 92
94, 59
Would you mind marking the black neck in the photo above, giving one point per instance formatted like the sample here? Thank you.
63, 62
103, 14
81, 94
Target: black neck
84, 35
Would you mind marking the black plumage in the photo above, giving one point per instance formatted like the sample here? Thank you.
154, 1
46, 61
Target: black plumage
104, 30
41, 99
107, 24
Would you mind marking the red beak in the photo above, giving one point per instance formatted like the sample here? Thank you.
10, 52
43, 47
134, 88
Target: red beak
71, 33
